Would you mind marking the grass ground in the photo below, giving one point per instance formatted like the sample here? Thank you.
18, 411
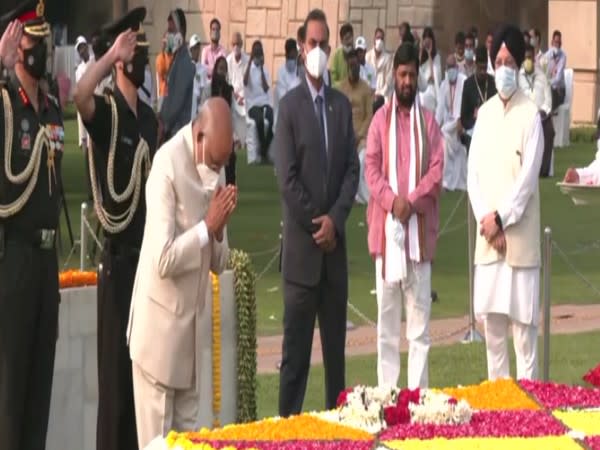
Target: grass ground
255, 228
571, 357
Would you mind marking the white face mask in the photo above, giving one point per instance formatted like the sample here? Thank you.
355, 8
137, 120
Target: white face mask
209, 177
316, 62
533, 41
452, 74
506, 81
469, 54
174, 41
378, 45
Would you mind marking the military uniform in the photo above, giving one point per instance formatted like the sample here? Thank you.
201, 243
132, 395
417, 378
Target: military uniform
29, 216
124, 145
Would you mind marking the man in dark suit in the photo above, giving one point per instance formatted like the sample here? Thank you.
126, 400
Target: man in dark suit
317, 171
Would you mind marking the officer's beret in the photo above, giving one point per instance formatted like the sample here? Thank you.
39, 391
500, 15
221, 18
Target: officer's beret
131, 21
31, 14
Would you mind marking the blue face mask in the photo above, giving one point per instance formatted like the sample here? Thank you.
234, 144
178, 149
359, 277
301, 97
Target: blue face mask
290, 65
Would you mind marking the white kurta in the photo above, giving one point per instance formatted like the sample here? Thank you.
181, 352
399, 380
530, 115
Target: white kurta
498, 287
447, 116
383, 71
430, 77
235, 71
537, 87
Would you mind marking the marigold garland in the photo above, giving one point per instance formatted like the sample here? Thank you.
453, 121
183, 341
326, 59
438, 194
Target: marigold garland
584, 421
216, 348
77, 278
302, 427
494, 395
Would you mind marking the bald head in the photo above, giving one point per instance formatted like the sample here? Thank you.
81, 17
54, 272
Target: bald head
213, 134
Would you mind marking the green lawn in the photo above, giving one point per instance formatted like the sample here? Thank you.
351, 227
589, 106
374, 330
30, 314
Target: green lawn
571, 357
255, 228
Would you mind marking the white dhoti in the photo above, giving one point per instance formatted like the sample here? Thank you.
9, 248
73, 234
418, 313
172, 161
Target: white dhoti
415, 294
362, 194
455, 159
160, 409
505, 295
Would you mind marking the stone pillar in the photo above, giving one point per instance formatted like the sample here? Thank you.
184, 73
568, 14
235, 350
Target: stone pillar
578, 21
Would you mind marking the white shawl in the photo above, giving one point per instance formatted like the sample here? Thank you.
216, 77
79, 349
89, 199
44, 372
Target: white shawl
395, 259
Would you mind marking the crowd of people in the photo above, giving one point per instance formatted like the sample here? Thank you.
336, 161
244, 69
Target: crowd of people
387, 129
453, 87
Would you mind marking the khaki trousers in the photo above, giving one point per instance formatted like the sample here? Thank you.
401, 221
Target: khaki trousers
160, 409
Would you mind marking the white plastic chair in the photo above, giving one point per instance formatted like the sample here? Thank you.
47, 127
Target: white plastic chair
562, 119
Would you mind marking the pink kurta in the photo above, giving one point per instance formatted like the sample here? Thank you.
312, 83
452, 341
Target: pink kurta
424, 198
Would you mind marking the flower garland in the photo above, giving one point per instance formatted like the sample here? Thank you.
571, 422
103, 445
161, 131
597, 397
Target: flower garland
245, 302
546, 443
302, 427
373, 409
555, 395
77, 278
587, 422
504, 394
216, 348
593, 376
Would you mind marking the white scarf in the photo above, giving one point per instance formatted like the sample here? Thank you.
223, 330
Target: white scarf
395, 258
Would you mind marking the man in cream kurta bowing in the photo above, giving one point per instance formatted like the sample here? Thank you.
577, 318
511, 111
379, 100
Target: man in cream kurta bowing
404, 164
504, 163
184, 239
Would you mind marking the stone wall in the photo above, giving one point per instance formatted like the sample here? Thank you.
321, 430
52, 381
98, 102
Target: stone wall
273, 21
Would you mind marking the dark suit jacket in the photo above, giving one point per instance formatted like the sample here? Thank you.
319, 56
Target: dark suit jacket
306, 191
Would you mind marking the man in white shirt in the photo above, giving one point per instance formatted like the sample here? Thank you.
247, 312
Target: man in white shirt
367, 70
448, 118
237, 61
379, 58
504, 162
201, 79
287, 77
533, 82
557, 61
257, 95
535, 39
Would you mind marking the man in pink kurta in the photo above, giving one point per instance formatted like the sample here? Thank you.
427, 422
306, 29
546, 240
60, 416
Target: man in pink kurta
410, 209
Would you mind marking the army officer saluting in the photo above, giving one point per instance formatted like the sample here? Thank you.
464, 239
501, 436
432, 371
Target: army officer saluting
31, 147
124, 132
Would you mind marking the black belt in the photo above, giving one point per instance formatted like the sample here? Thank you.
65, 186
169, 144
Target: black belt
43, 238
121, 249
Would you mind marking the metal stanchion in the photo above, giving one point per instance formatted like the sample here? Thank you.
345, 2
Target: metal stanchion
82, 239
472, 334
546, 273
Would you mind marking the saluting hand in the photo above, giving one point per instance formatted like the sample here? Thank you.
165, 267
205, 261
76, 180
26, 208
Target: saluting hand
9, 43
124, 47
